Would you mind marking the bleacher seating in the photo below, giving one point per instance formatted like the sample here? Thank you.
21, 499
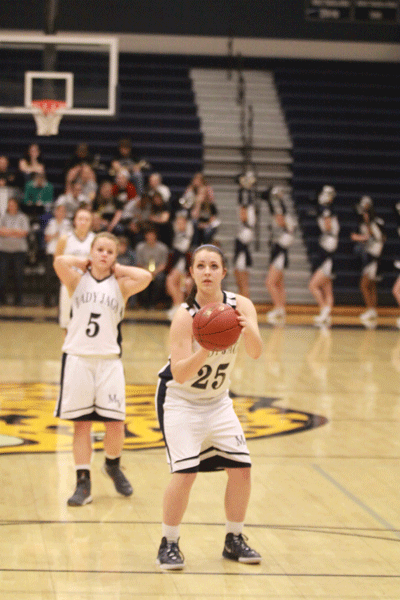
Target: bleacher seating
344, 122
156, 111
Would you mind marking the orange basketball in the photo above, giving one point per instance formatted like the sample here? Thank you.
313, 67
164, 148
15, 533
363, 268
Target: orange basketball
216, 326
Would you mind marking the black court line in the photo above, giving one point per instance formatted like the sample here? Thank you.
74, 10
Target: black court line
186, 572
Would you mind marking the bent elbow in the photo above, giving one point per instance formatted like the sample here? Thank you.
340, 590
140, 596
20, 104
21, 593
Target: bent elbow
257, 354
177, 376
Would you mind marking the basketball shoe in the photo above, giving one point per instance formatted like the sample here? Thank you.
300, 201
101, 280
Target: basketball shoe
169, 555
81, 496
121, 483
237, 549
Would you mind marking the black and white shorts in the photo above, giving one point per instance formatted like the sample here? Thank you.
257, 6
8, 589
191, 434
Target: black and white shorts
200, 437
279, 257
92, 388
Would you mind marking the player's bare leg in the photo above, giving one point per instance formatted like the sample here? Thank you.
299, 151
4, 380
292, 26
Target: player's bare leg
176, 497
237, 493
237, 497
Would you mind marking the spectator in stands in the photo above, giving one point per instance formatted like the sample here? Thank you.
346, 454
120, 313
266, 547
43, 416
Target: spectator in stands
133, 164
247, 219
38, 194
372, 239
29, 164
5, 172
6, 192
123, 189
160, 215
178, 280
81, 154
86, 176
127, 256
14, 229
59, 225
283, 227
153, 256
155, 184
124, 193
72, 199
138, 213
204, 211
98, 223
321, 280
105, 204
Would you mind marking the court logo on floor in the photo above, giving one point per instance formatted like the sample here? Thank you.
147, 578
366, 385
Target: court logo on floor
27, 423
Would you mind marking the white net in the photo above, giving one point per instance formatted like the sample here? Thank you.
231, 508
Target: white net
47, 115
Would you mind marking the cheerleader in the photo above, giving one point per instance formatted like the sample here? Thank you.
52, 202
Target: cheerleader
396, 264
283, 227
372, 238
245, 235
321, 280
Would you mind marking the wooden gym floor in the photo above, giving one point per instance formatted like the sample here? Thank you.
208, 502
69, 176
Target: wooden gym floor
321, 411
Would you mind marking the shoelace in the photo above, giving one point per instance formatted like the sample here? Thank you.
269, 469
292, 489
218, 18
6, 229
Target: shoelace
173, 551
240, 542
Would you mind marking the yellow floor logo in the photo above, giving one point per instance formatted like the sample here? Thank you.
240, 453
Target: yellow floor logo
27, 423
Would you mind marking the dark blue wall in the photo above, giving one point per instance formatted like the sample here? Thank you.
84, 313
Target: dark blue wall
284, 19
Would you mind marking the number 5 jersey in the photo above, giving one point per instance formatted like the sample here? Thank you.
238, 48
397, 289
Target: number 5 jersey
97, 309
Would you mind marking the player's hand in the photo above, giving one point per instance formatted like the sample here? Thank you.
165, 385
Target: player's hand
241, 318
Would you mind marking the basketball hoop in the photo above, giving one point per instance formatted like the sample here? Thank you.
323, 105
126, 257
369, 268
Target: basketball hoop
47, 115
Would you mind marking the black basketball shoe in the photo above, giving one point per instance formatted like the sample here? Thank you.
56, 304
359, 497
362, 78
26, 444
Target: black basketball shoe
169, 555
236, 549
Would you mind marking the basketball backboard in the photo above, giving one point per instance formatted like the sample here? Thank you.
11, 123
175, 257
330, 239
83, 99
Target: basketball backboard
81, 71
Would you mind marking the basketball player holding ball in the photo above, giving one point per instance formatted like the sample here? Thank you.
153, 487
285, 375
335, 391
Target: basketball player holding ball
200, 428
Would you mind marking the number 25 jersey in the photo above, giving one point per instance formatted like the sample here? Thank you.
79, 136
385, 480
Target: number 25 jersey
97, 309
213, 379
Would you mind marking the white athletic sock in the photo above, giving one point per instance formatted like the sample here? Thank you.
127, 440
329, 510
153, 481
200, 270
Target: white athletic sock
325, 311
81, 467
235, 528
171, 532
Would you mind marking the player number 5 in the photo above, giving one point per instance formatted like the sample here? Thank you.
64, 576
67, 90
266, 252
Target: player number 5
93, 327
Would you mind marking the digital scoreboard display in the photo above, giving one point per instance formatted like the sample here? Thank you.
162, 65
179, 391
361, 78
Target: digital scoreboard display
353, 11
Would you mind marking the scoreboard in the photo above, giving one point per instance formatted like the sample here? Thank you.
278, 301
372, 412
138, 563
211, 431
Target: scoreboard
353, 11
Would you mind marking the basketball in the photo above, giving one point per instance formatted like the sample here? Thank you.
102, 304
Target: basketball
216, 326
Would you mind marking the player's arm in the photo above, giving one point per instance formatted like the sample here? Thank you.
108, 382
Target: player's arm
131, 280
60, 247
66, 267
185, 363
248, 320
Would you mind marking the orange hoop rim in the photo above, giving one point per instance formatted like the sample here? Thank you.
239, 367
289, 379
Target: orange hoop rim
49, 106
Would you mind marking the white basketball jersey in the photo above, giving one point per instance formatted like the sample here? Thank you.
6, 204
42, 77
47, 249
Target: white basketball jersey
97, 311
78, 247
213, 380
